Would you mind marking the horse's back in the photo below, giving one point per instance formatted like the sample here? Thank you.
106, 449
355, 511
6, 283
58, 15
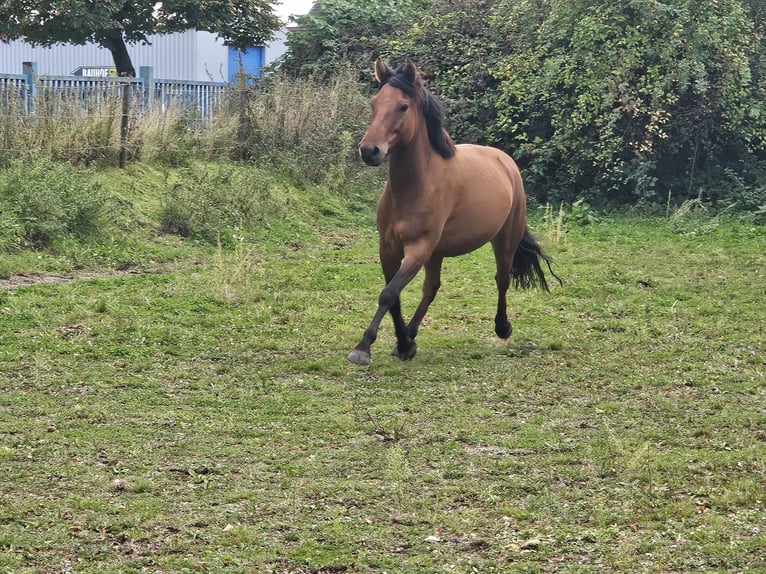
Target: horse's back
486, 194
471, 157
486, 175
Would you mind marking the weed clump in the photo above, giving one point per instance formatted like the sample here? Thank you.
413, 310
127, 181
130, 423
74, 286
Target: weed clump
215, 202
44, 202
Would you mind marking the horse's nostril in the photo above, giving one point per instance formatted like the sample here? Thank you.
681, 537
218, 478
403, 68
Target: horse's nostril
371, 154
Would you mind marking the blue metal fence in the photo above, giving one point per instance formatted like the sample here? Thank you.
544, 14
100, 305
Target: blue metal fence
201, 99
14, 87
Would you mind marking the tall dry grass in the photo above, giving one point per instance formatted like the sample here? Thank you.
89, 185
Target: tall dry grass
306, 125
81, 128
303, 127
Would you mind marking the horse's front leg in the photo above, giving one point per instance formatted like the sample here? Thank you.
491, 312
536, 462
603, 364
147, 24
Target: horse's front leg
389, 301
406, 347
390, 264
400, 329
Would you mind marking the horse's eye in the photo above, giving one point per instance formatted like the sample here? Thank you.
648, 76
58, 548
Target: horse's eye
403, 108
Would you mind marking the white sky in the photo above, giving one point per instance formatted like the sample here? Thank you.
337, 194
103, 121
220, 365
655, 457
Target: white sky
287, 8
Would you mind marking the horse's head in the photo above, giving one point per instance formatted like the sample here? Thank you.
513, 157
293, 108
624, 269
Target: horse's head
397, 111
394, 113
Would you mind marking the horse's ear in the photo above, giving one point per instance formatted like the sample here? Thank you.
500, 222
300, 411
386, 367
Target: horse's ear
410, 71
382, 72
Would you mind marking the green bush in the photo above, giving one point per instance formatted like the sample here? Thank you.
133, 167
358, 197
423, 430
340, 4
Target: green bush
747, 188
455, 47
615, 102
47, 201
337, 34
215, 202
623, 102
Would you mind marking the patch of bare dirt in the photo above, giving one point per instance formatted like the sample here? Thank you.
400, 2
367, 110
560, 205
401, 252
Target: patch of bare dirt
28, 279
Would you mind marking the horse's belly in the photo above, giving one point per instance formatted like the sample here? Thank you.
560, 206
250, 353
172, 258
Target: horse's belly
463, 234
450, 248
477, 217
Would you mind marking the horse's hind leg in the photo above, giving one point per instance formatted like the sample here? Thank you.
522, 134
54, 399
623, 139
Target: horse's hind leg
504, 262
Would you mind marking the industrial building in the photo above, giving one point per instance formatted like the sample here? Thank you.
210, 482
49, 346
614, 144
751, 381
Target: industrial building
187, 56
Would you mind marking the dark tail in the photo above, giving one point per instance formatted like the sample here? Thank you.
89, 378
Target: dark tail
526, 270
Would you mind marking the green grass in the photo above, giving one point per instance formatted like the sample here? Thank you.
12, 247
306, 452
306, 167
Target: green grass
206, 420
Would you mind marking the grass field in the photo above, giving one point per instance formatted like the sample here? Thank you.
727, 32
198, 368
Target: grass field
205, 419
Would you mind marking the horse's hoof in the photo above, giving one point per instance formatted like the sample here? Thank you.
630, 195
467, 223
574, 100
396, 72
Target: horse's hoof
503, 330
406, 355
359, 357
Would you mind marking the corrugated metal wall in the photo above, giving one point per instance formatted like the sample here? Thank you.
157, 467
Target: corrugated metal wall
190, 55
276, 47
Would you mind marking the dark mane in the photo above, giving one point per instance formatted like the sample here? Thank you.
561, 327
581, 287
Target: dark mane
431, 108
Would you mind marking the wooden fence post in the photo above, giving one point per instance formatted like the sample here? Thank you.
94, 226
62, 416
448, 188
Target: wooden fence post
124, 126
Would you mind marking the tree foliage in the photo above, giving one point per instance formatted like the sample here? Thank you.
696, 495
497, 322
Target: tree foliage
337, 33
112, 23
454, 46
625, 101
619, 101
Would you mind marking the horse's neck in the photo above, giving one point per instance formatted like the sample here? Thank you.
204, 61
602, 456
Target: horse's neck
409, 166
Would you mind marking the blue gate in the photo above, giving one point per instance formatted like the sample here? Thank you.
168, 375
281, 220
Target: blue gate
249, 62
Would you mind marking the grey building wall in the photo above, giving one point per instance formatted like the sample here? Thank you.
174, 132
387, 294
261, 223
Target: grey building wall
190, 55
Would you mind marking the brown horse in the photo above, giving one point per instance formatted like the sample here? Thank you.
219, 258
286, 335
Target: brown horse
440, 200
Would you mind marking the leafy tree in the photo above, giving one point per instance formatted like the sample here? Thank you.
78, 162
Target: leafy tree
454, 45
614, 102
448, 39
338, 33
630, 100
112, 23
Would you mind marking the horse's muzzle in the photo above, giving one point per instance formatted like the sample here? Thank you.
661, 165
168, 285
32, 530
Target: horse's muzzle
372, 154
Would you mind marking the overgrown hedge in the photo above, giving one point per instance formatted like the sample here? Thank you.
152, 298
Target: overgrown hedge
616, 102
